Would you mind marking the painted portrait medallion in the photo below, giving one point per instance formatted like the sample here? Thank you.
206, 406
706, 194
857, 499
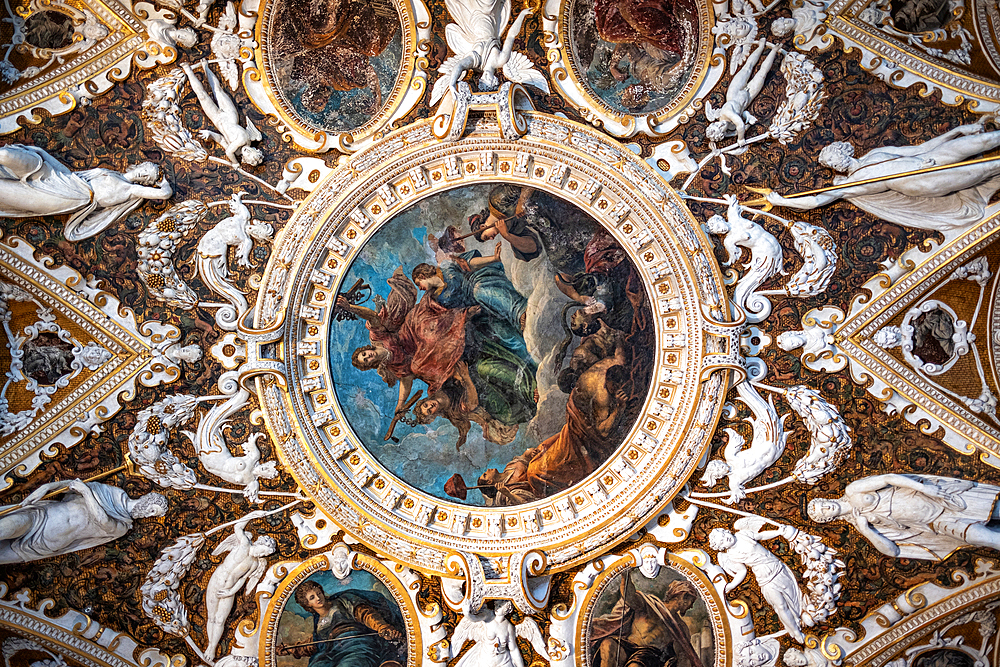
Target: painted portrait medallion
352, 621
631, 63
659, 621
499, 368
338, 71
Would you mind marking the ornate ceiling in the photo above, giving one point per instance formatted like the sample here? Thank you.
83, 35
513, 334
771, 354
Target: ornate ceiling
591, 333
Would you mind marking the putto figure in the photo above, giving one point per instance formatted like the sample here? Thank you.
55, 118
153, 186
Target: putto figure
939, 200
89, 514
221, 110
34, 183
916, 516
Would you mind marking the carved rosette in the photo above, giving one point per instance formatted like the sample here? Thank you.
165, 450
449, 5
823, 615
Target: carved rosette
693, 363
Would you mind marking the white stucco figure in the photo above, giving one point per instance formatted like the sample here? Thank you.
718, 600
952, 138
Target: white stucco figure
817, 340
495, 638
743, 550
475, 37
245, 470
766, 257
167, 34
34, 183
916, 516
88, 515
758, 653
940, 200
744, 87
239, 230
221, 110
743, 464
807, 657
242, 567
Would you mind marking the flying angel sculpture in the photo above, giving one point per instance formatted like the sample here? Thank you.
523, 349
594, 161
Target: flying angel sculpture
495, 637
475, 37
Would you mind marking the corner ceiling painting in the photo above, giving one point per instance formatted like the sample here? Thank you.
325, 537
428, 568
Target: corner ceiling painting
568, 333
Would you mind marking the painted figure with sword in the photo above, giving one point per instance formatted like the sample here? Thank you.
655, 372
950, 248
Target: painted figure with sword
932, 185
352, 628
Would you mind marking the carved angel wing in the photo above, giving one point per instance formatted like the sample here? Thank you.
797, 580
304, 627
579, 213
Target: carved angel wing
528, 629
226, 545
520, 70
444, 79
259, 566
228, 21
162, 117
472, 627
254, 133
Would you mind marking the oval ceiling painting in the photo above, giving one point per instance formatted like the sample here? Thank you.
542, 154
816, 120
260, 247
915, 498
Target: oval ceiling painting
632, 65
335, 68
493, 345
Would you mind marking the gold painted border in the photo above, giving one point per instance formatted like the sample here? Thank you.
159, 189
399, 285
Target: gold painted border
309, 261
722, 633
571, 82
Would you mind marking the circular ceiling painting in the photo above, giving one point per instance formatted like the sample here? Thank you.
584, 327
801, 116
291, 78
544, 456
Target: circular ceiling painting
494, 345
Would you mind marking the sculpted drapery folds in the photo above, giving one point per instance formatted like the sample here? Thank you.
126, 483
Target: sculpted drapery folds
33, 183
917, 516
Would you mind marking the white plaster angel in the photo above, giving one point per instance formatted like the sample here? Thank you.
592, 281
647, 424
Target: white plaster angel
744, 87
495, 637
240, 230
243, 567
475, 37
767, 446
766, 258
33, 183
940, 200
221, 110
88, 515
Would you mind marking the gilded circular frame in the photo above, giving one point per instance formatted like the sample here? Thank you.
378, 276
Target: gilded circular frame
570, 81
695, 348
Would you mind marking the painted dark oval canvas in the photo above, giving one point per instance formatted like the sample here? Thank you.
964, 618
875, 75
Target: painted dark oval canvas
336, 61
497, 368
650, 622
635, 55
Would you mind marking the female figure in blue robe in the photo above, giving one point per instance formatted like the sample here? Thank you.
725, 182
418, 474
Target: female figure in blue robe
350, 629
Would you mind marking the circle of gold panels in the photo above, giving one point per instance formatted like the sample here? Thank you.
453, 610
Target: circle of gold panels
668, 249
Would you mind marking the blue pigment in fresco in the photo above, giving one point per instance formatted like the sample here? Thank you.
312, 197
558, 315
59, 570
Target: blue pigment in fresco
354, 622
477, 345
